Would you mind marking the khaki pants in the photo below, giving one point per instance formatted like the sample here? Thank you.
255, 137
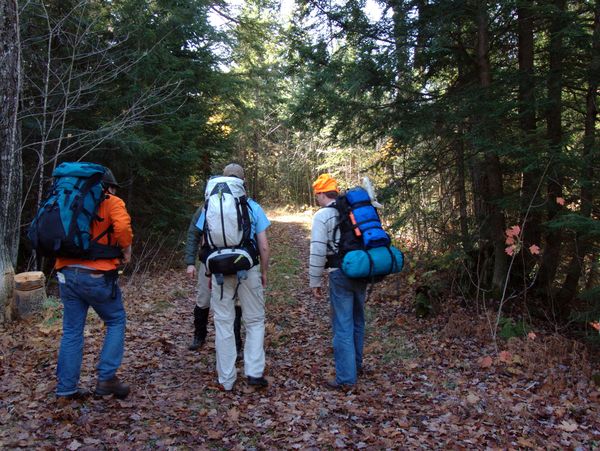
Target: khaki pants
251, 296
202, 291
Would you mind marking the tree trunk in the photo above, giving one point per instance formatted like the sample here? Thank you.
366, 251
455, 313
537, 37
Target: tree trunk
530, 193
589, 155
553, 238
10, 152
459, 154
491, 161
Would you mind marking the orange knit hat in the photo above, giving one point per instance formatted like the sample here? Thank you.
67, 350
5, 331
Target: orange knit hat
324, 184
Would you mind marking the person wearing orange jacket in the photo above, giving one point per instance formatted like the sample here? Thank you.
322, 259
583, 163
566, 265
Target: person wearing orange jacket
93, 283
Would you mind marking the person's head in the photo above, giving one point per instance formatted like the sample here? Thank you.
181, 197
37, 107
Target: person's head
234, 170
109, 182
325, 189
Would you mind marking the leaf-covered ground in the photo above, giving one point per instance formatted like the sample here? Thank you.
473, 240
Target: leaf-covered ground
429, 383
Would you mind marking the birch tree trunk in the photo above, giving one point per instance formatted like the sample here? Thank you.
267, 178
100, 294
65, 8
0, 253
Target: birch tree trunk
10, 153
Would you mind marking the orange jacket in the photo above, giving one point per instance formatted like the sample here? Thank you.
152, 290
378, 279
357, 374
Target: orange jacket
113, 211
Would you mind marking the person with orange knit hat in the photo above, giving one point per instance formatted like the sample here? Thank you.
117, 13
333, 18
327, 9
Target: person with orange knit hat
346, 296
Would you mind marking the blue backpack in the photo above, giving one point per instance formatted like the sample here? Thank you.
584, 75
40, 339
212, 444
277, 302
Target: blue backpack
62, 225
364, 250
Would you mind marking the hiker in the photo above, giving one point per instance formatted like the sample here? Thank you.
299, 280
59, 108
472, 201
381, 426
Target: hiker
234, 228
346, 296
202, 307
93, 283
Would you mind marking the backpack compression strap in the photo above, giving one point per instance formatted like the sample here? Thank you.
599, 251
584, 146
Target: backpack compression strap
244, 221
97, 250
80, 207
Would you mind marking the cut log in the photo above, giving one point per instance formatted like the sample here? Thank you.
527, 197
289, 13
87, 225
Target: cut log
30, 292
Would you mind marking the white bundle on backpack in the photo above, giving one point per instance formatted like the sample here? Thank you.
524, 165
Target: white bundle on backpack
223, 211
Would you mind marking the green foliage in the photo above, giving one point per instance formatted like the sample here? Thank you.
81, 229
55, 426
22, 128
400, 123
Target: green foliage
577, 223
284, 273
452, 141
52, 312
134, 85
423, 305
403, 95
510, 328
587, 313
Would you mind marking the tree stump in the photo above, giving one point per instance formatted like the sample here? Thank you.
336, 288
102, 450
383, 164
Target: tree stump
30, 292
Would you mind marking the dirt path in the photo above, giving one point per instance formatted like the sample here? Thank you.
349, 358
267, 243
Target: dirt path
427, 384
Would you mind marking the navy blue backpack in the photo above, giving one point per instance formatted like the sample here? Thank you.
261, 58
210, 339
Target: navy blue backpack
62, 225
365, 250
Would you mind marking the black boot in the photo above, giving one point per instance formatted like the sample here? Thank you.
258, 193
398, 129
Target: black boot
200, 323
237, 330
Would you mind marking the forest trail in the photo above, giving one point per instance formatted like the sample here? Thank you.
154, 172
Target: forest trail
425, 384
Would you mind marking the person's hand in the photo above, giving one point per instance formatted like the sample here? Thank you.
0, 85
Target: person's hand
317, 293
263, 278
191, 271
126, 254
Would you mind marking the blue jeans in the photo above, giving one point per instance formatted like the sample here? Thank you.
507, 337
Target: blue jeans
347, 298
79, 292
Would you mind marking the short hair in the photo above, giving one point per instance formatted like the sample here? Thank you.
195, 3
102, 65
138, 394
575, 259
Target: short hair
234, 170
331, 194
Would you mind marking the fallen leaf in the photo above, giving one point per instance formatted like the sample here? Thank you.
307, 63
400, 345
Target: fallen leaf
472, 398
215, 435
514, 370
568, 426
234, 414
74, 445
485, 362
525, 442
505, 357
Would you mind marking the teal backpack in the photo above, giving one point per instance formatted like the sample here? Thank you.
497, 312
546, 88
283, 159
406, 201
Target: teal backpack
62, 225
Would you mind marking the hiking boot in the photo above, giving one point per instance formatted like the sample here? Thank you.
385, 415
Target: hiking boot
196, 344
332, 384
258, 381
78, 395
112, 387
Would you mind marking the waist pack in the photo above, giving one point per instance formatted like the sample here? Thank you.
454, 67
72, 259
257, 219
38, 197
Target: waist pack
62, 225
230, 261
364, 249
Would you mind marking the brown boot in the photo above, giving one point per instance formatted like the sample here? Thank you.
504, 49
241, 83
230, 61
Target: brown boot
112, 387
